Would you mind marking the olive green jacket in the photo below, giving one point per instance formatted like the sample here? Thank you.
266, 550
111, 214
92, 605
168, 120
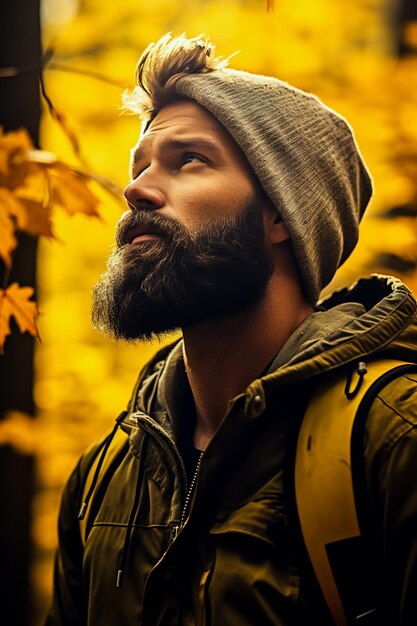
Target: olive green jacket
229, 555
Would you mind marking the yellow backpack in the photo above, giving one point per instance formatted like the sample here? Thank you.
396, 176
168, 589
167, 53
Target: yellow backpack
329, 487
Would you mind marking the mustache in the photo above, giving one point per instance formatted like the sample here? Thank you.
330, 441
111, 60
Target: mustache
148, 221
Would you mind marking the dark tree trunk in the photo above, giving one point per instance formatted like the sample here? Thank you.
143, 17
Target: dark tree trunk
406, 12
20, 46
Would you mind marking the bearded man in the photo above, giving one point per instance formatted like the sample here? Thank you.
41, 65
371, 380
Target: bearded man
246, 196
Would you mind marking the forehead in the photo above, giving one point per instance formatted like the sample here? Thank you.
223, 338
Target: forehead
187, 114
184, 119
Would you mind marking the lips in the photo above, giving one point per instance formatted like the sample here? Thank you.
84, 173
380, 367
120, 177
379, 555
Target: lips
142, 233
145, 237
142, 226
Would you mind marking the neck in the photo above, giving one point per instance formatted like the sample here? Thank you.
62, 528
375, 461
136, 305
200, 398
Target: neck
223, 357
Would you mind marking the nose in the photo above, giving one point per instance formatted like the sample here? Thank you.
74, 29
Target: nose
141, 194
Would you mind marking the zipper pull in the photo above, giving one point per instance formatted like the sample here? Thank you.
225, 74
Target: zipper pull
174, 531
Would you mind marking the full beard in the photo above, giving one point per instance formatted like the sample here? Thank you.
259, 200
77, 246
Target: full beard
184, 278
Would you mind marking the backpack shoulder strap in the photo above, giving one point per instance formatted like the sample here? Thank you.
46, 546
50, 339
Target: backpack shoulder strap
324, 489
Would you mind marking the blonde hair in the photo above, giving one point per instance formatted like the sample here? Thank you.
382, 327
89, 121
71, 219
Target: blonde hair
160, 67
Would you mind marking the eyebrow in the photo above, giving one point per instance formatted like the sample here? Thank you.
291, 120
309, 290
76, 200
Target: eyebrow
171, 143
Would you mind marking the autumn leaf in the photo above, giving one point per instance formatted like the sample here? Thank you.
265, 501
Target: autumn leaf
8, 241
10, 213
13, 207
11, 144
14, 301
14, 166
36, 219
23, 189
20, 214
32, 184
70, 192
105, 183
69, 185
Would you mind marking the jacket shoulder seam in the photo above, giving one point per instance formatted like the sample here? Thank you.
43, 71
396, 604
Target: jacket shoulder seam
394, 410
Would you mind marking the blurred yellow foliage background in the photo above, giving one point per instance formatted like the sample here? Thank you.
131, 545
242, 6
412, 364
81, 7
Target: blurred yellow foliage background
345, 52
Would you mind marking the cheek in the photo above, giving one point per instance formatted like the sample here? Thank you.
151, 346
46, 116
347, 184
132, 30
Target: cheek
204, 203
195, 207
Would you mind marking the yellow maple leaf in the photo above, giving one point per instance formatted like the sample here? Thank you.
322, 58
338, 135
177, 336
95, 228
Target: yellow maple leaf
14, 166
37, 218
69, 191
15, 301
11, 206
20, 214
50, 163
32, 183
8, 241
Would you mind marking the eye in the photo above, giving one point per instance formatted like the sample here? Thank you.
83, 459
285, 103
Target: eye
137, 173
191, 157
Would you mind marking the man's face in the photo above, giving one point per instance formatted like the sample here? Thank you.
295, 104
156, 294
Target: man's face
191, 246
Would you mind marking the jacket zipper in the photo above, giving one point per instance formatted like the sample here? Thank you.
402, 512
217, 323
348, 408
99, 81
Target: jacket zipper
190, 492
162, 437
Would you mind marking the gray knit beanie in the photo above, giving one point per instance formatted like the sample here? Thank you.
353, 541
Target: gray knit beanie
305, 157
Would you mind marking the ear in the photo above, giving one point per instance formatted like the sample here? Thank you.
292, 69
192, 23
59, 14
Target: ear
275, 229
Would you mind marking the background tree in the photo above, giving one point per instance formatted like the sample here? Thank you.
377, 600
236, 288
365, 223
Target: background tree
19, 105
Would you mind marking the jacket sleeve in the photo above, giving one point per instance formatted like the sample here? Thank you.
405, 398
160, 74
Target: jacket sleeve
68, 606
391, 454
